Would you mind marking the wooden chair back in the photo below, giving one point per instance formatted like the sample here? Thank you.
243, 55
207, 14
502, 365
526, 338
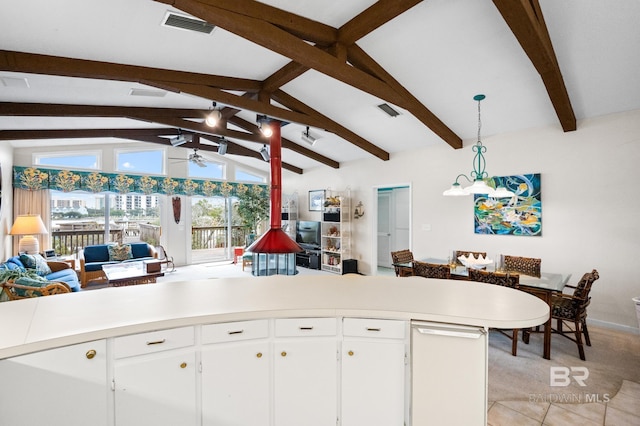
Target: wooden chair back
523, 265
505, 279
431, 270
402, 256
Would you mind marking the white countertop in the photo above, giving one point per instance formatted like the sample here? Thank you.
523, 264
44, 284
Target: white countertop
48, 322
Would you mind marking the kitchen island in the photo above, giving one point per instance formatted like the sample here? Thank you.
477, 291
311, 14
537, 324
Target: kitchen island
113, 348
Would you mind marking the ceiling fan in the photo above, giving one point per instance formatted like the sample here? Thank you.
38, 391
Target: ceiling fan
195, 158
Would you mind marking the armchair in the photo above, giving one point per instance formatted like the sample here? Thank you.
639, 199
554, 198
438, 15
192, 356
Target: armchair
571, 310
15, 291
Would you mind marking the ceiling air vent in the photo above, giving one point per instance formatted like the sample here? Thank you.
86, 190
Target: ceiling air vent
187, 23
390, 111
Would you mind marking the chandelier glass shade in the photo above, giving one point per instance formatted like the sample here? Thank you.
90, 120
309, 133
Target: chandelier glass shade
478, 174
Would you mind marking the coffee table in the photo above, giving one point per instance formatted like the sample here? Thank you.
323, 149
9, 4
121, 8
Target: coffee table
129, 273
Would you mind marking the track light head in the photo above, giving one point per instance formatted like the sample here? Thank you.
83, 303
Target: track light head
264, 125
180, 139
222, 146
214, 116
308, 137
265, 153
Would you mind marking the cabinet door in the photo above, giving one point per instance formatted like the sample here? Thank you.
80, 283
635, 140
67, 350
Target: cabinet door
235, 384
373, 382
157, 389
305, 382
448, 360
67, 383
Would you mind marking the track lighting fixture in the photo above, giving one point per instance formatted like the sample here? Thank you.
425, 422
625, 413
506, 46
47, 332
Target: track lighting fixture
213, 117
264, 125
265, 153
180, 139
222, 146
308, 137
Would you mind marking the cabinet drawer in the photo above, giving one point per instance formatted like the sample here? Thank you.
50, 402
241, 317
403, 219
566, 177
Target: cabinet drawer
235, 331
154, 341
291, 327
363, 327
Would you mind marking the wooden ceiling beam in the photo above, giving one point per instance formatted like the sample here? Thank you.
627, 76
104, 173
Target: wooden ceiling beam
69, 67
307, 29
66, 110
85, 133
526, 21
373, 17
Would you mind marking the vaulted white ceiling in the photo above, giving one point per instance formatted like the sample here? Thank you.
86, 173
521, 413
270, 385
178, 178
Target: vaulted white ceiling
442, 51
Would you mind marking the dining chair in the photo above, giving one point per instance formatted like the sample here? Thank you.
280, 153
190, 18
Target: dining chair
431, 270
475, 254
571, 310
402, 256
505, 279
524, 265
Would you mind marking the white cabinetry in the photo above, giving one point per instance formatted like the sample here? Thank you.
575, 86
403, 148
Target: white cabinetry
305, 372
373, 372
235, 374
66, 386
336, 230
155, 378
455, 358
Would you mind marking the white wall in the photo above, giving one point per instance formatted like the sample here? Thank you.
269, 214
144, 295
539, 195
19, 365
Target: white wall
6, 208
589, 203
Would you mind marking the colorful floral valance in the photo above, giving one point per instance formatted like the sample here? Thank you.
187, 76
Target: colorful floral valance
32, 178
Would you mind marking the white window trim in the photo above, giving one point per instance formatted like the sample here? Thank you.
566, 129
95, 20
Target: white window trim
36, 156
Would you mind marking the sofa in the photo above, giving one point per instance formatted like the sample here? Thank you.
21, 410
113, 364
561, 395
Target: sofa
52, 271
93, 257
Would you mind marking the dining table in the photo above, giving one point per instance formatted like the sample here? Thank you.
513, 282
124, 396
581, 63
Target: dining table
543, 287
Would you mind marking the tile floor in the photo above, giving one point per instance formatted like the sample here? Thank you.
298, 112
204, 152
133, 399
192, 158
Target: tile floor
621, 410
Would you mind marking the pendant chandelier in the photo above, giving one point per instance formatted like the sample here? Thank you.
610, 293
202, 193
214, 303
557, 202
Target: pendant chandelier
478, 174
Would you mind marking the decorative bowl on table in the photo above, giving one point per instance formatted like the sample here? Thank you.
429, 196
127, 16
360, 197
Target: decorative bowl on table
476, 263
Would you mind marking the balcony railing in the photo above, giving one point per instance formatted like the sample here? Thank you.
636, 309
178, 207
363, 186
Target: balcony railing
68, 242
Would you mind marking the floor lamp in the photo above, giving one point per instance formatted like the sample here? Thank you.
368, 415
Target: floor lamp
28, 225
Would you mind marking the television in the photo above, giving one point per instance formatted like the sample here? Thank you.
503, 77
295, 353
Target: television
308, 234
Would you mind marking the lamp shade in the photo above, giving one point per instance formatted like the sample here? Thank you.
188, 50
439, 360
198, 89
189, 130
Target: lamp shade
456, 190
28, 225
480, 187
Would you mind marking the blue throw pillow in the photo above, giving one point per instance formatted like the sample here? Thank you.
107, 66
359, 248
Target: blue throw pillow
37, 262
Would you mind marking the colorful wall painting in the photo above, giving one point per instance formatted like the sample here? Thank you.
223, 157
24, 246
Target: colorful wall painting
518, 215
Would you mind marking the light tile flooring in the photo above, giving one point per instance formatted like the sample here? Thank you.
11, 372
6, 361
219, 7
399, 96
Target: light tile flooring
621, 410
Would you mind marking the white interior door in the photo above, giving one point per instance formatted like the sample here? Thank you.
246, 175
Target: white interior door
384, 228
394, 222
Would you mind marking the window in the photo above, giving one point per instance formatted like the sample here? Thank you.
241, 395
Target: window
140, 160
244, 176
72, 160
211, 170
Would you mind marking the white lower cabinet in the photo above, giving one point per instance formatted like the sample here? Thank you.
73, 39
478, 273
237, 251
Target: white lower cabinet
305, 372
64, 386
155, 378
267, 372
373, 372
235, 374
